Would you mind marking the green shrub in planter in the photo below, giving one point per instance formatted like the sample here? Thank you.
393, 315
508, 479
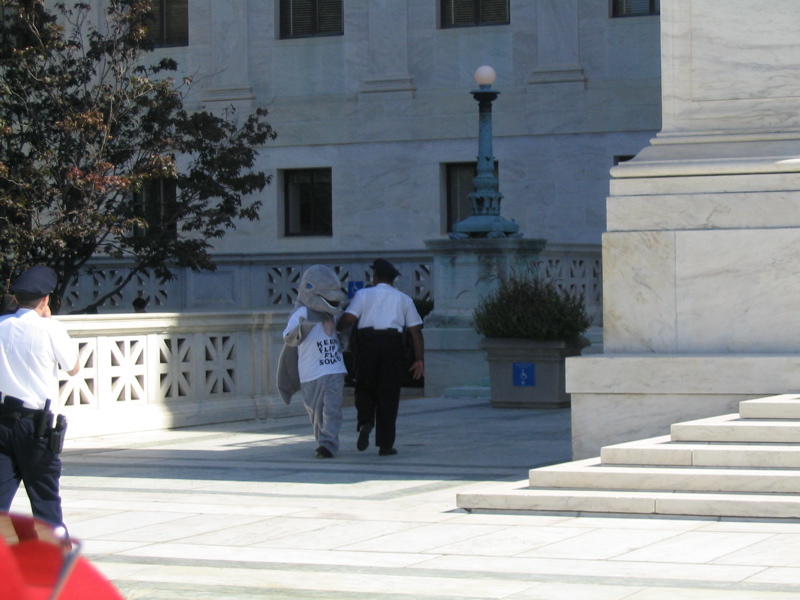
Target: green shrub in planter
526, 306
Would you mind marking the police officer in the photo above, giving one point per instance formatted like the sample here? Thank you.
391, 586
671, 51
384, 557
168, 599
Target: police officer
383, 313
32, 347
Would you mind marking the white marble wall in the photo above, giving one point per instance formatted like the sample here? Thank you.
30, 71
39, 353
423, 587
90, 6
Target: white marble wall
700, 260
727, 61
387, 104
703, 291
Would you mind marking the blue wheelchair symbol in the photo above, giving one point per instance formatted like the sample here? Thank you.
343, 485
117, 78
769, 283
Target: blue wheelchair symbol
353, 287
524, 374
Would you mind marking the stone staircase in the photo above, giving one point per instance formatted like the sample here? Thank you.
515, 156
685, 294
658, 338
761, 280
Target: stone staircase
737, 465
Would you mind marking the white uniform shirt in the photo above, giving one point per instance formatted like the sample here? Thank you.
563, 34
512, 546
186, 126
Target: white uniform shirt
31, 349
319, 353
384, 307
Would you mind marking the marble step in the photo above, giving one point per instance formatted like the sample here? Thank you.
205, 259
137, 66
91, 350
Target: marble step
785, 406
591, 474
521, 499
734, 429
664, 452
737, 465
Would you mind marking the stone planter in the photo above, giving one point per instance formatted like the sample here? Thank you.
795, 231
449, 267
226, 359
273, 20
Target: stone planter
527, 373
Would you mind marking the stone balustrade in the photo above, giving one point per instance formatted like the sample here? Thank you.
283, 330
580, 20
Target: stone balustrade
159, 370
211, 360
258, 282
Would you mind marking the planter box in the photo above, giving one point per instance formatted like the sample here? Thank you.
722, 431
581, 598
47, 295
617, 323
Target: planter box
528, 373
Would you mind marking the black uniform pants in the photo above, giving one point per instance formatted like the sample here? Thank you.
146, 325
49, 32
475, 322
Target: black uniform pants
26, 458
380, 366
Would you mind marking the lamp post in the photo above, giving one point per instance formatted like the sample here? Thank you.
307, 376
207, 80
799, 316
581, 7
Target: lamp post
485, 221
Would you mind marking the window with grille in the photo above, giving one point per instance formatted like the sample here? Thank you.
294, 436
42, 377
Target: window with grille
635, 8
311, 18
471, 13
157, 204
170, 25
308, 202
459, 186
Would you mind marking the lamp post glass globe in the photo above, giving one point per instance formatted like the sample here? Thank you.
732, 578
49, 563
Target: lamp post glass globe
485, 76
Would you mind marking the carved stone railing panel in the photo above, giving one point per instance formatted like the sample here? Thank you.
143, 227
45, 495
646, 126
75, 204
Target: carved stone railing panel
126, 368
104, 282
156, 290
423, 281
148, 371
270, 282
174, 365
578, 272
82, 391
219, 365
282, 282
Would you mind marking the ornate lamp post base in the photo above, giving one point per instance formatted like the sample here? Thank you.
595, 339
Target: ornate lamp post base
485, 226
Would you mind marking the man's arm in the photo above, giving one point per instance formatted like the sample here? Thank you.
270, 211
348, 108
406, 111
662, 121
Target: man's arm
44, 311
418, 367
345, 321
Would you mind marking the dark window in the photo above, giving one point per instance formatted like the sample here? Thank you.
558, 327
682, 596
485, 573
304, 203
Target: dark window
170, 25
308, 202
310, 18
469, 13
157, 204
635, 8
621, 158
459, 186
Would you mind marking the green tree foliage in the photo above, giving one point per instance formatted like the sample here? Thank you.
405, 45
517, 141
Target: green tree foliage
86, 125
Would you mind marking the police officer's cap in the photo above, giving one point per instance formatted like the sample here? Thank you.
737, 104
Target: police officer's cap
36, 282
385, 269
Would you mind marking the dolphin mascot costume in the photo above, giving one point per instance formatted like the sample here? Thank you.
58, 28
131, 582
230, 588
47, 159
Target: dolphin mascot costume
320, 299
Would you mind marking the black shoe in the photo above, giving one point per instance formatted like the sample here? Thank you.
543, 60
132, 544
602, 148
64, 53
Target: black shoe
323, 452
387, 451
363, 437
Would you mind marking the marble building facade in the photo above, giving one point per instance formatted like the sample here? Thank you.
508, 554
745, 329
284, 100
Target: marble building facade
385, 108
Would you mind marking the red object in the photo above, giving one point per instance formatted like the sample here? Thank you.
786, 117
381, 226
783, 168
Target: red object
34, 560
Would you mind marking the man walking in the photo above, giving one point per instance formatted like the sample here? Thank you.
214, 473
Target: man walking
383, 313
32, 347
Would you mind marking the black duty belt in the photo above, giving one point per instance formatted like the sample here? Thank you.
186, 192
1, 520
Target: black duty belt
12, 407
368, 331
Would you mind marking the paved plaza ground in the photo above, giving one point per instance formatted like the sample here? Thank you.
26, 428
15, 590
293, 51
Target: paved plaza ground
244, 511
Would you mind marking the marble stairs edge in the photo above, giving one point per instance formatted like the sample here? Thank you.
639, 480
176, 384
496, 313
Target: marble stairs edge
738, 465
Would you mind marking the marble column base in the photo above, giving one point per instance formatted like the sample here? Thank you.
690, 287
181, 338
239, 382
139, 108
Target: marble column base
620, 398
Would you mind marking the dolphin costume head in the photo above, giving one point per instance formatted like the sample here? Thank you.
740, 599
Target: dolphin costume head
321, 291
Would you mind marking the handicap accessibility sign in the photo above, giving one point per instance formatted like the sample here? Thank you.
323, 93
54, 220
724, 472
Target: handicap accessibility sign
524, 374
353, 287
